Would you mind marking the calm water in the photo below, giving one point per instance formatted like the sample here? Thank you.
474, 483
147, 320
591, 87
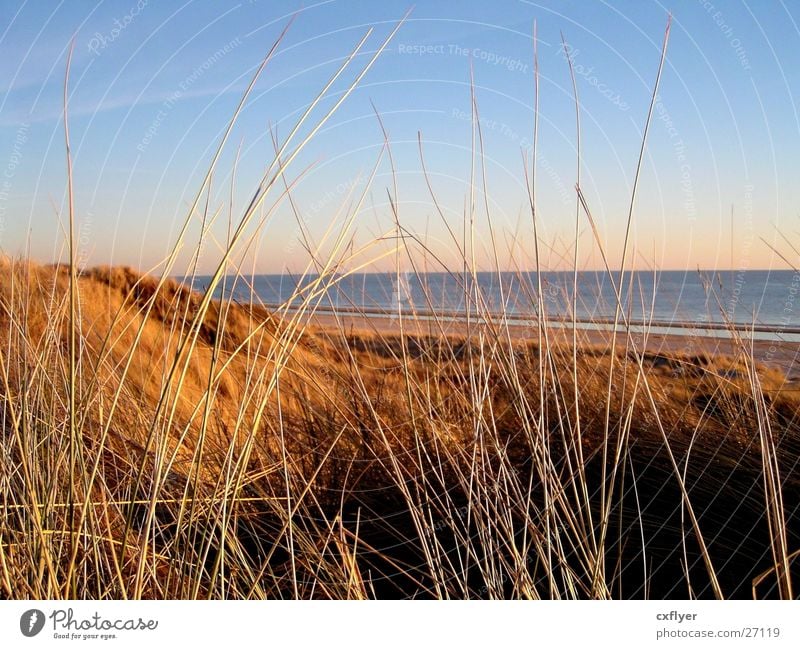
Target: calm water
768, 298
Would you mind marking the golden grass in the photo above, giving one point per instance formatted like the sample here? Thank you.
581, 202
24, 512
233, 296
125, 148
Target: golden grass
376, 465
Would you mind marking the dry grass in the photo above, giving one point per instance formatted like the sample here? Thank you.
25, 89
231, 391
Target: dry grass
364, 465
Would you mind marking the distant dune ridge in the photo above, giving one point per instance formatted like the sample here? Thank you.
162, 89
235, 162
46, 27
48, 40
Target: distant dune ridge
237, 452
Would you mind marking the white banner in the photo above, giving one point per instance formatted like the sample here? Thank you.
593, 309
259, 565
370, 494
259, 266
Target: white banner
398, 624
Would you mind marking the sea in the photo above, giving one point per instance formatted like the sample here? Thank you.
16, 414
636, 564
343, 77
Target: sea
762, 301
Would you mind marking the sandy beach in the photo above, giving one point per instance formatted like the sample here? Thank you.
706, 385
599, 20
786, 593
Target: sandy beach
777, 353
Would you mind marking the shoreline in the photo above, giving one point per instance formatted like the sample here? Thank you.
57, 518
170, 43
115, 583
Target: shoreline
778, 353
709, 328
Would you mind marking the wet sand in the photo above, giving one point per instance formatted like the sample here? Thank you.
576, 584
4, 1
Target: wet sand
781, 354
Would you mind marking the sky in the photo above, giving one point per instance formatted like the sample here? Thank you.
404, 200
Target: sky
153, 86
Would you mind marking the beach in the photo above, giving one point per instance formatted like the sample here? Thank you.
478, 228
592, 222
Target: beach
688, 340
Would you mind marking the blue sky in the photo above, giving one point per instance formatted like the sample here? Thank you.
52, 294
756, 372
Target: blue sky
153, 85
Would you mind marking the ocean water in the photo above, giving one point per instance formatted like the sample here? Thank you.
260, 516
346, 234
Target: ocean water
766, 299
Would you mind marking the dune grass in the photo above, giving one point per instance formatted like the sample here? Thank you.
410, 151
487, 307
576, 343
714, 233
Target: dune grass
162, 442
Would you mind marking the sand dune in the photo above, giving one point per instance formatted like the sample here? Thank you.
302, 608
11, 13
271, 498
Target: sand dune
227, 451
